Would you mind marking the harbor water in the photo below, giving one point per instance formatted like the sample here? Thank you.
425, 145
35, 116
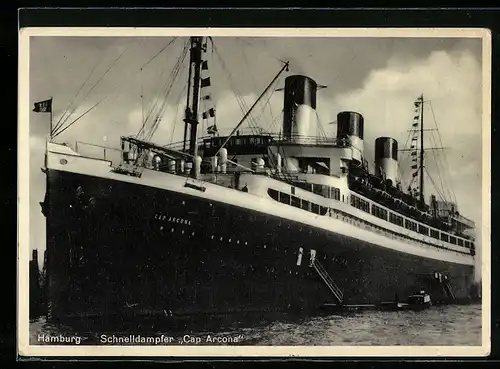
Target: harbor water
458, 325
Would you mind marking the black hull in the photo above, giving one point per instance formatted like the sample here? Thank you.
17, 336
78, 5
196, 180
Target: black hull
122, 249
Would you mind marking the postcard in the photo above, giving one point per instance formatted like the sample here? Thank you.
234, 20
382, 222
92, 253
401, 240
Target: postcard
211, 192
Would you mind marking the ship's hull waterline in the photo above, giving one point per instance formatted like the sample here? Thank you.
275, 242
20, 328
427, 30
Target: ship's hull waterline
121, 248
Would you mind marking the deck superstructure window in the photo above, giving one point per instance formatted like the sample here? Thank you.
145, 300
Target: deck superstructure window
306, 205
435, 234
317, 189
334, 193
309, 206
295, 201
423, 229
315, 208
330, 192
412, 226
359, 203
273, 194
284, 198
396, 219
379, 212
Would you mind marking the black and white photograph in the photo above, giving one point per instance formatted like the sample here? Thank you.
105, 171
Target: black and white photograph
254, 192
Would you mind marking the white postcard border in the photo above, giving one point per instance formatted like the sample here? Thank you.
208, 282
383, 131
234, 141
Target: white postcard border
24, 347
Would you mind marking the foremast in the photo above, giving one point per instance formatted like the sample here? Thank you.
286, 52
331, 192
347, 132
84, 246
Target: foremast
198, 44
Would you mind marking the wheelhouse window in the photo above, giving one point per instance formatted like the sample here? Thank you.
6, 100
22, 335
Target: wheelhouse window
460, 242
444, 237
453, 240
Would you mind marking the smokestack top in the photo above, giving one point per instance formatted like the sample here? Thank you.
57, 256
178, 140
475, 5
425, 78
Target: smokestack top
350, 123
386, 147
301, 90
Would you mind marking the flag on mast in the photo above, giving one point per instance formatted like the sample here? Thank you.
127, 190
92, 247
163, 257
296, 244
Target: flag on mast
44, 106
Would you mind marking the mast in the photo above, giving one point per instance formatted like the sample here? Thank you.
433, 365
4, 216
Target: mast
51, 120
191, 114
188, 111
421, 175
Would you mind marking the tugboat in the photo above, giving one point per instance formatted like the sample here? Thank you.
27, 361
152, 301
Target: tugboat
419, 301
416, 302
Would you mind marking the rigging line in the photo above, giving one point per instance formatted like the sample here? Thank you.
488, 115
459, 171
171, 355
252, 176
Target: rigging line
243, 105
176, 112
159, 52
432, 141
164, 105
98, 81
57, 126
142, 106
262, 50
173, 75
406, 157
266, 104
441, 143
154, 102
162, 111
285, 66
446, 181
81, 116
434, 184
276, 120
320, 126
245, 58
239, 99
161, 89
443, 187
94, 106
163, 93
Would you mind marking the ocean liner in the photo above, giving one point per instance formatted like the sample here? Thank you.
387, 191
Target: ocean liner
249, 221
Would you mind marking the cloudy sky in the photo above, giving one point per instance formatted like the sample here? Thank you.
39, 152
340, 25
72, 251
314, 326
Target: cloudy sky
378, 77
